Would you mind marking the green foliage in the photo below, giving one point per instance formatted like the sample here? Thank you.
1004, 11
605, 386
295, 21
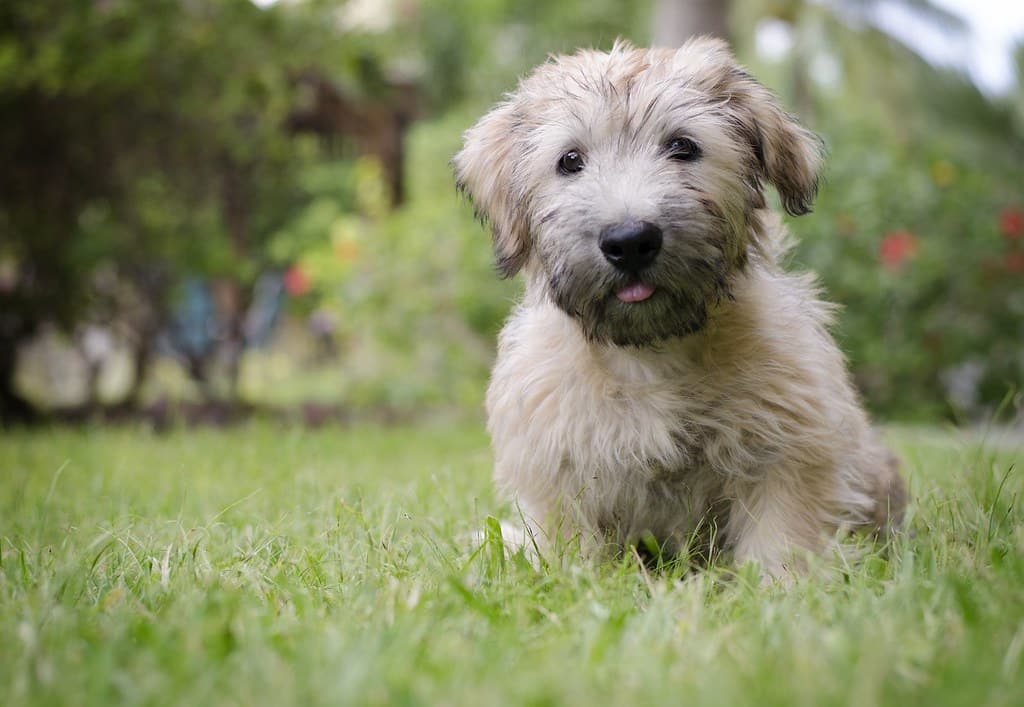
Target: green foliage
414, 291
146, 140
913, 230
169, 117
264, 566
476, 50
144, 143
910, 237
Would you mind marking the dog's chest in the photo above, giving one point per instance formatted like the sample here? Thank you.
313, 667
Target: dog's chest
561, 413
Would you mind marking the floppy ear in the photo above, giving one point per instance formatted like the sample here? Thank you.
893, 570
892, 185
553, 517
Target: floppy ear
787, 154
484, 171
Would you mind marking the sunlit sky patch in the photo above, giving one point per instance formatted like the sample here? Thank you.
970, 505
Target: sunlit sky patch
994, 27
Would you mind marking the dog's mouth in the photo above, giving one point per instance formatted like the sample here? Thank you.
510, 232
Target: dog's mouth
635, 292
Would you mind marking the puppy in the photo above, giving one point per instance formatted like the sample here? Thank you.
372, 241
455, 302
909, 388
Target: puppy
663, 380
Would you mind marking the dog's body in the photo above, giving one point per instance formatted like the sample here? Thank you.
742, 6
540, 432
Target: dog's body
663, 378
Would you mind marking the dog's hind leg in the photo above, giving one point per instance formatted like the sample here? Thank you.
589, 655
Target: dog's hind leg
890, 494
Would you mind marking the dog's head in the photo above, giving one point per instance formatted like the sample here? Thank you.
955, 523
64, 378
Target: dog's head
627, 182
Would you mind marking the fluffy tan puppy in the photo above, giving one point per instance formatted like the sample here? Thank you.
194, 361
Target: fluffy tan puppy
663, 378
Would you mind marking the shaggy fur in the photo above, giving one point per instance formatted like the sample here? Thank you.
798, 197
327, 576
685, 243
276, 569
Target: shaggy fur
717, 408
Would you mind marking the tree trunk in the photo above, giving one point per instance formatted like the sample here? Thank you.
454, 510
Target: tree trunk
803, 98
142, 359
675, 21
150, 292
234, 339
14, 409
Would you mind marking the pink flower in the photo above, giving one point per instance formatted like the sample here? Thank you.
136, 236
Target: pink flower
1011, 223
296, 281
897, 248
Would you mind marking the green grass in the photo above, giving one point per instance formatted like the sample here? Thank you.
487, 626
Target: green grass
268, 566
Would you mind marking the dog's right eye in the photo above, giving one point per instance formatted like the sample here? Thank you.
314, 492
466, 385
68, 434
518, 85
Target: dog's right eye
571, 162
683, 149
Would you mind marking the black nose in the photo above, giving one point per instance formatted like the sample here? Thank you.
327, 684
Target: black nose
632, 245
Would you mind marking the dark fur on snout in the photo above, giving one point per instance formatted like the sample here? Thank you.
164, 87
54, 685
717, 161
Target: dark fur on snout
692, 273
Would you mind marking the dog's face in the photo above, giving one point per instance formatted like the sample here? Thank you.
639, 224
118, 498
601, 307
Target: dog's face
626, 183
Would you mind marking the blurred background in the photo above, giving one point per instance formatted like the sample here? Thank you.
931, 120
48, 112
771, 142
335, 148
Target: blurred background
210, 208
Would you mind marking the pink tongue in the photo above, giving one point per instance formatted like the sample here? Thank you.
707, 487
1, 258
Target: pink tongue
635, 293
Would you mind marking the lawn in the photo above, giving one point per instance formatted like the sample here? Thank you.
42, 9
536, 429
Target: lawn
274, 566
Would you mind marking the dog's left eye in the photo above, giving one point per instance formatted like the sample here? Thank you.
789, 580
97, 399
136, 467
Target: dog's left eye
571, 162
683, 149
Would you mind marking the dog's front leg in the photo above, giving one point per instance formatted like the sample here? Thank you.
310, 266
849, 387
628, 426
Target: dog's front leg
775, 522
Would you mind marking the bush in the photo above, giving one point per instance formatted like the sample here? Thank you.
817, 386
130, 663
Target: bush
414, 292
922, 246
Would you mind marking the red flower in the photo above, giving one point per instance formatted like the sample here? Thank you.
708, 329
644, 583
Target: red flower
1011, 223
896, 248
296, 281
1014, 261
